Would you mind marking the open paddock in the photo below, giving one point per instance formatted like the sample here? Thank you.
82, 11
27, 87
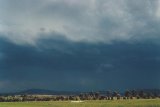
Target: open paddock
93, 103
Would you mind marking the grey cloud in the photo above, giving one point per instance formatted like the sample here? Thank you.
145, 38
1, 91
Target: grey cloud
72, 44
93, 21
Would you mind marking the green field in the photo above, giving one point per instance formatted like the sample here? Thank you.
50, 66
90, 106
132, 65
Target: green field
115, 103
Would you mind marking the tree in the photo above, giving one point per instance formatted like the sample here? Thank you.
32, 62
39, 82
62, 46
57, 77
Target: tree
127, 94
109, 94
134, 93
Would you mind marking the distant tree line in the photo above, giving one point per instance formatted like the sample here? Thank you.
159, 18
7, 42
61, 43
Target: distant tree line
107, 95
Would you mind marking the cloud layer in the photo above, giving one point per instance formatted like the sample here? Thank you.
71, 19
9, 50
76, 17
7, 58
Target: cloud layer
79, 44
92, 20
61, 64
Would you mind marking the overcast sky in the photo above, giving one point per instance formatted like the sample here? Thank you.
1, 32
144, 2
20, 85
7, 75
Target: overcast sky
80, 45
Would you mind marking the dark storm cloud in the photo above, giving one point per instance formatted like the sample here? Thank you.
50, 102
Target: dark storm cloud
79, 44
66, 65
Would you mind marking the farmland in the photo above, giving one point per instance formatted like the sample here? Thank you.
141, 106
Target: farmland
95, 103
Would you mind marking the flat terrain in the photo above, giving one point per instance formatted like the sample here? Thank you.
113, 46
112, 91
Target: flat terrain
105, 103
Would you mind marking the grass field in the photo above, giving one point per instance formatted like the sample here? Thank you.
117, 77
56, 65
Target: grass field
115, 103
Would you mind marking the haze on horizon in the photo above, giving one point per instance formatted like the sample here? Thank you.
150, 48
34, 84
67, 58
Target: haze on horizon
79, 45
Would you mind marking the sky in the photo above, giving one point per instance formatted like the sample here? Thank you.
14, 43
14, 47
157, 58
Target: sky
79, 45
